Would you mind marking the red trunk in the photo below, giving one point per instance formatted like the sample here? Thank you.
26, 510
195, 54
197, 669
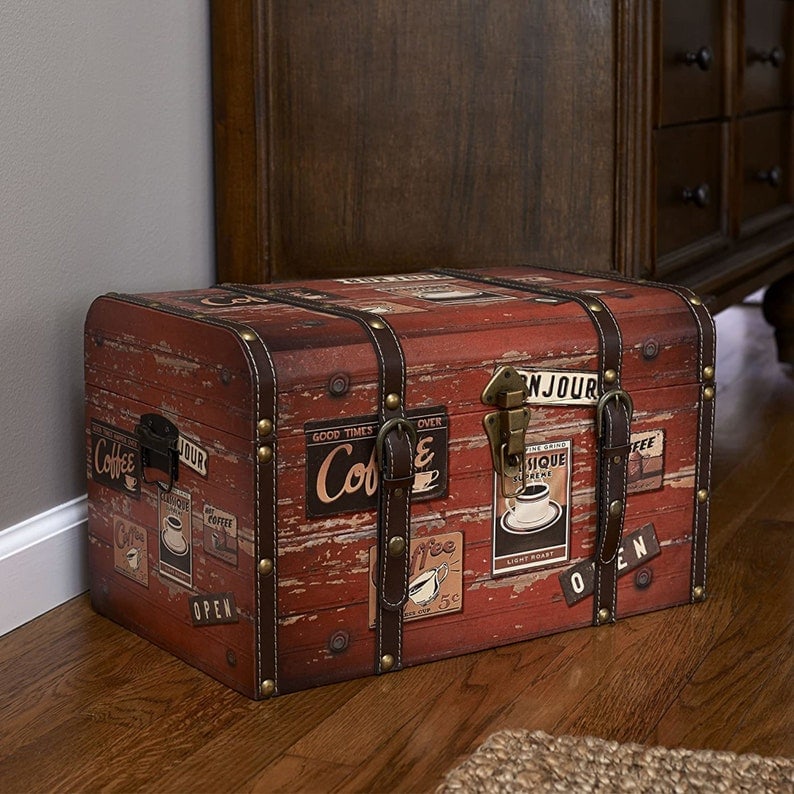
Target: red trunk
260, 562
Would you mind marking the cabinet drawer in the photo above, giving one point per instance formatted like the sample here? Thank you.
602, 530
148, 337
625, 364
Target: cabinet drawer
767, 54
766, 163
692, 61
689, 185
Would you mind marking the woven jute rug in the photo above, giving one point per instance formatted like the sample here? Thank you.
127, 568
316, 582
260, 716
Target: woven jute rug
522, 761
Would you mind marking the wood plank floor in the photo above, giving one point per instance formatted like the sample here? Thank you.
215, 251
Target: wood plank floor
86, 705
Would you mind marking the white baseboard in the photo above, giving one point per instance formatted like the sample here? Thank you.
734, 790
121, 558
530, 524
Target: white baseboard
43, 562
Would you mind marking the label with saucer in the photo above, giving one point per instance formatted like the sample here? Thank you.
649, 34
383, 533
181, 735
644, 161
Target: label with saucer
533, 529
175, 533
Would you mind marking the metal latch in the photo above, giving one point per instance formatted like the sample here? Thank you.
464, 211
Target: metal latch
507, 428
159, 449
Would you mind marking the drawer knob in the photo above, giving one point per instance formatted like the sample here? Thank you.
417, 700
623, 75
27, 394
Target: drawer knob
703, 58
773, 177
700, 196
776, 56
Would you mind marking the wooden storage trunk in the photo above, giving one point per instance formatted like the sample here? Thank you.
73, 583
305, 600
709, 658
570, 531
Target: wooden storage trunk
291, 485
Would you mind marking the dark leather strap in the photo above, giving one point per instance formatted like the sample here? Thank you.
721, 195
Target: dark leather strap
264, 425
395, 445
705, 376
613, 437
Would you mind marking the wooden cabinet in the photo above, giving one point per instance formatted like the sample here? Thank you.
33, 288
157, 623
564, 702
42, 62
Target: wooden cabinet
653, 137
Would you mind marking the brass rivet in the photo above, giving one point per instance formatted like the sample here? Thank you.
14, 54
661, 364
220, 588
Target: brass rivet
376, 323
249, 336
699, 593
386, 662
198, 316
266, 566
398, 492
604, 615
267, 687
616, 460
616, 508
392, 401
610, 376
695, 301
595, 307
396, 546
154, 305
702, 496
264, 427
708, 393
265, 454
708, 373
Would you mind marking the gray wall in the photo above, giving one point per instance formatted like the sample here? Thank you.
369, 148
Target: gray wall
105, 184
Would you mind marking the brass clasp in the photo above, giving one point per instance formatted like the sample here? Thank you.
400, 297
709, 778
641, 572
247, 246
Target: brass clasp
506, 428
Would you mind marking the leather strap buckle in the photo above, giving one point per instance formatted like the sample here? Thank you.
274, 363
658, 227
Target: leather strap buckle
619, 395
397, 423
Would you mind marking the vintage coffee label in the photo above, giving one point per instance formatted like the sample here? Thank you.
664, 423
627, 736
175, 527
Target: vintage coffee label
115, 458
212, 609
635, 550
130, 550
435, 577
533, 529
220, 534
452, 294
560, 387
398, 279
341, 467
646, 461
220, 300
175, 534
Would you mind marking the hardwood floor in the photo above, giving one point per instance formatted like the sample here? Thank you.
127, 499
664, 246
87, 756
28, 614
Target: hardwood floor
86, 705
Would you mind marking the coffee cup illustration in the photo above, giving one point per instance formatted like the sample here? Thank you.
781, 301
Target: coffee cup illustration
130, 482
134, 558
424, 588
424, 480
172, 534
531, 510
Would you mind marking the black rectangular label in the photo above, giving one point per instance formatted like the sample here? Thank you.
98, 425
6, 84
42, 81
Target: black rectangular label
635, 550
341, 470
212, 609
115, 458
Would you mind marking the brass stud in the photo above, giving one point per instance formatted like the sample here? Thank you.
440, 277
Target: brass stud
376, 323
264, 454
708, 393
249, 336
396, 546
616, 460
267, 687
595, 307
264, 427
266, 566
399, 493
708, 373
699, 593
616, 508
386, 662
392, 401
695, 301
604, 615
198, 315
610, 376
702, 496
